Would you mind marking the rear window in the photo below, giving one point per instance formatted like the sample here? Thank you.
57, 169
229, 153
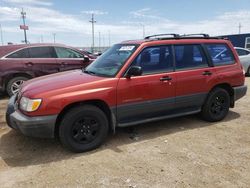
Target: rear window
189, 56
19, 54
220, 54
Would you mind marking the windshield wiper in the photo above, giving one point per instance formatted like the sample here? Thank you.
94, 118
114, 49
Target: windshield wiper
89, 72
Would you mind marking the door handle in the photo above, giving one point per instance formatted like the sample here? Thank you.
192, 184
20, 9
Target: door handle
29, 64
165, 78
207, 73
63, 64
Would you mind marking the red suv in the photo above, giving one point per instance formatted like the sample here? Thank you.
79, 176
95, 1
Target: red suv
19, 63
132, 83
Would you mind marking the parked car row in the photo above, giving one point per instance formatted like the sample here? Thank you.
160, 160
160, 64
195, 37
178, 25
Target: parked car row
131, 83
19, 63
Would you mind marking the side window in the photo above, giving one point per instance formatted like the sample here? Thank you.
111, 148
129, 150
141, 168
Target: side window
189, 56
67, 53
20, 54
220, 54
242, 52
41, 52
155, 60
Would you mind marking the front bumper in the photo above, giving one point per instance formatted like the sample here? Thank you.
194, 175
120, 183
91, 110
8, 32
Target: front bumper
239, 92
39, 126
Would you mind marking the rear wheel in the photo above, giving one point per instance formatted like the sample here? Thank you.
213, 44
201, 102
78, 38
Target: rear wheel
14, 85
216, 106
83, 128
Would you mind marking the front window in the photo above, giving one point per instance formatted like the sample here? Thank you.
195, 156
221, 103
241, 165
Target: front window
67, 53
112, 60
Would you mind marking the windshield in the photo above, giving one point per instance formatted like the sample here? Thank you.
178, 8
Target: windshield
111, 61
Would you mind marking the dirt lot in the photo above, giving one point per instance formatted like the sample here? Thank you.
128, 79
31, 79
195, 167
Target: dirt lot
181, 152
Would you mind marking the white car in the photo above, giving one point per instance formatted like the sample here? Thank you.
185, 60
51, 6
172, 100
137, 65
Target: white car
244, 55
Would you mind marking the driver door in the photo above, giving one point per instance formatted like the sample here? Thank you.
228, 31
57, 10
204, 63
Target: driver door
152, 94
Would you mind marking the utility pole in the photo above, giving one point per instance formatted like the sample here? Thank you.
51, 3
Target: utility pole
109, 38
1, 33
240, 26
54, 37
92, 21
24, 27
143, 30
99, 41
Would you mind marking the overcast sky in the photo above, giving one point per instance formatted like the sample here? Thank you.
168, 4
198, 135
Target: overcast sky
69, 19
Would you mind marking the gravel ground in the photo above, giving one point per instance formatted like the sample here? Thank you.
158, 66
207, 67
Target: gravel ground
180, 152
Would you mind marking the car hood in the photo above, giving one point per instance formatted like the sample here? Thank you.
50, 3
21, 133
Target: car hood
71, 80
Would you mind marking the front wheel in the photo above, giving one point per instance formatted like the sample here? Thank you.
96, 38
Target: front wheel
14, 85
216, 106
83, 128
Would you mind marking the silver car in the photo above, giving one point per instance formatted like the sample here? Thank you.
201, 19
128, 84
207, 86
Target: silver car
244, 55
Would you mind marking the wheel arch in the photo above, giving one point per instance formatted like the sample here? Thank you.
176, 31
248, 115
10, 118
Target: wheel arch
98, 103
8, 77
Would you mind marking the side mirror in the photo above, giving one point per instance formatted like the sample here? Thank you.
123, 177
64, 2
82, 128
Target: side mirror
134, 71
86, 59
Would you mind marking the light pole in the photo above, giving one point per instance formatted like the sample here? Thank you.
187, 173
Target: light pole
92, 21
240, 26
54, 37
109, 38
24, 27
99, 41
1, 33
143, 31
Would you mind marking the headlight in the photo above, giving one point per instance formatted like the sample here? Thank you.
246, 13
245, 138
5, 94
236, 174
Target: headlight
29, 105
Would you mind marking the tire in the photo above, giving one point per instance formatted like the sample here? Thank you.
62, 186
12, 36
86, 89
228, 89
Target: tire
216, 106
83, 128
11, 88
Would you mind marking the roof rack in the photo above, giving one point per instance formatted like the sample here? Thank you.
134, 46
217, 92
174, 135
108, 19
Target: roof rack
196, 34
161, 35
185, 36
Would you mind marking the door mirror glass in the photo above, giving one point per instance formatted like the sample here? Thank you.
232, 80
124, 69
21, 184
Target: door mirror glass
134, 71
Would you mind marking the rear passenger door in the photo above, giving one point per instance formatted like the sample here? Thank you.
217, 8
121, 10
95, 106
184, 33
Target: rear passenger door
193, 74
69, 59
42, 60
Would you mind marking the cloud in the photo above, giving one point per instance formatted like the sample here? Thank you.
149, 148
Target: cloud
96, 12
30, 2
75, 29
9, 14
